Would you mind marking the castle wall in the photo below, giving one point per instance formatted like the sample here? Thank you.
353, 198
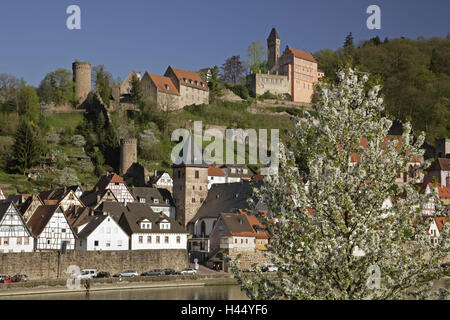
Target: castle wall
276, 84
50, 265
191, 95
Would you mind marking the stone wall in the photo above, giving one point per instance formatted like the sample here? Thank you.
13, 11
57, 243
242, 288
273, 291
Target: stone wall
249, 257
49, 265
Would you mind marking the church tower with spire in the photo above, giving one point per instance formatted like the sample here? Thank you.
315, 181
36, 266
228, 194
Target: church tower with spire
273, 48
190, 181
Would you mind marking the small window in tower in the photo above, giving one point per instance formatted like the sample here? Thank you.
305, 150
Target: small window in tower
193, 200
197, 174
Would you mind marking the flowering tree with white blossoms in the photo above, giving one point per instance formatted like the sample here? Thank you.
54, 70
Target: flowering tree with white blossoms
332, 237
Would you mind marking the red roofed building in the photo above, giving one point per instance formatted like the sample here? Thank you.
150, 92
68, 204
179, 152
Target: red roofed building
118, 187
436, 227
176, 89
215, 176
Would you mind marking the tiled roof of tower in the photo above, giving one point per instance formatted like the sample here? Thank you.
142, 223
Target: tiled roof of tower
356, 157
302, 54
190, 79
164, 84
273, 34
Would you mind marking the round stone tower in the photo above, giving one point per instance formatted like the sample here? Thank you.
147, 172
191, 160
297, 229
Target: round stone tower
82, 78
128, 154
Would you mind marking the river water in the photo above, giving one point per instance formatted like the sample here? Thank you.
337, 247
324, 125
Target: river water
228, 292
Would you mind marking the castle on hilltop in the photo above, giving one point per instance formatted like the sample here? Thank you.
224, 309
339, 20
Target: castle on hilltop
294, 72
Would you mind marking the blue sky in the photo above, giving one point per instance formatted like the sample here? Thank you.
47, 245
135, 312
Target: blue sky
148, 35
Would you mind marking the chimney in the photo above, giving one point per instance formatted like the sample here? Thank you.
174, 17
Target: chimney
156, 172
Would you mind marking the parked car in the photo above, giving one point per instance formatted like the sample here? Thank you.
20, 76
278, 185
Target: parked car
19, 278
127, 274
103, 274
188, 271
169, 272
4, 278
269, 268
154, 272
85, 274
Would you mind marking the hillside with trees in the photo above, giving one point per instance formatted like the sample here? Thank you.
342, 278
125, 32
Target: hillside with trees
415, 76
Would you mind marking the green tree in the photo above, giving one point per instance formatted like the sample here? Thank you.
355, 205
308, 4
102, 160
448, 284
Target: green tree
57, 87
103, 80
136, 90
329, 225
256, 52
29, 106
215, 85
27, 148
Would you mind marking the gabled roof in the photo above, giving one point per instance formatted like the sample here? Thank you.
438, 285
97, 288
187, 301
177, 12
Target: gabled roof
89, 198
237, 224
56, 195
257, 226
26, 205
443, 191
133, 213
158, 176
106, 179
185, 78
41, 217
92, 224
213, 171
149, 194
163, 84
440, 164
4, 206
225, 197
190, 155
301, 54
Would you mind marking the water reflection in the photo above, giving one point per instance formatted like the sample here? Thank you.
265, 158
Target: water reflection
184, 293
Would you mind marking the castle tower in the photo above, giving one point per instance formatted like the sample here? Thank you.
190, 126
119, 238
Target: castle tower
190, 181
128, 154
273, 48
82, 78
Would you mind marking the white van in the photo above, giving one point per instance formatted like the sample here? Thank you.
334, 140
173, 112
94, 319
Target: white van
86, 274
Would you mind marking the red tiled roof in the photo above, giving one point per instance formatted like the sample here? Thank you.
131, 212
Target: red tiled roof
184, 76
356, 157
162, 83
40, 218
302, 54
444, 192
212, 171
107, 179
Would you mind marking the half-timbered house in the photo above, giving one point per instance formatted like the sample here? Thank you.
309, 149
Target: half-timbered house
116, 184
51, 228
15, 236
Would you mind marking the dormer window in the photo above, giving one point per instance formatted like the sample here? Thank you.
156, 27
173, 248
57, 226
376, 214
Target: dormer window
203, 85
145, 224
185, 80
190, 81
167, 87
142, 200
155, 200
164, 225
167, 201
196, 82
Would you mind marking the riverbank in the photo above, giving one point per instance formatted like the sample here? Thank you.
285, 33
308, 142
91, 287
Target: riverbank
57, 286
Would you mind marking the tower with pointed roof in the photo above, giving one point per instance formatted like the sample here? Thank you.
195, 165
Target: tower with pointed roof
273, 48
190, 181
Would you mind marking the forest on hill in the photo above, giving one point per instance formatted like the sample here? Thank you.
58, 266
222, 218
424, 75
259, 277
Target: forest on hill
415, 76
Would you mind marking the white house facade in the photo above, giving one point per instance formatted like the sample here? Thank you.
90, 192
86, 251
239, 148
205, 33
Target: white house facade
51, 228
101, 233
15, 236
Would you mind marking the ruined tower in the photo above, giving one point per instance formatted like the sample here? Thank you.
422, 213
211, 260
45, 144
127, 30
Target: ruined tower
190, 181
82, 78
273, 48
128, 154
